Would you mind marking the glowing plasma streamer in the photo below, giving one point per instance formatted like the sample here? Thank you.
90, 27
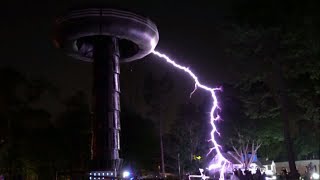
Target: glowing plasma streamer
219, 163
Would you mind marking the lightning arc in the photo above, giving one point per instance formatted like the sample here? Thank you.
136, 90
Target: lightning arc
220, 162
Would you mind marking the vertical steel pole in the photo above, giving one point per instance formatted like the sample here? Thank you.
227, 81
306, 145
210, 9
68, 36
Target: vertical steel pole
179, 169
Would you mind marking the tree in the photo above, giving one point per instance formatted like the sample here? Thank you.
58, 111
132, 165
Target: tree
34, 142
156, 94
248, 109
276, 62
245, 148
136, 128
73, 124
188, 139
250, 122
20, 116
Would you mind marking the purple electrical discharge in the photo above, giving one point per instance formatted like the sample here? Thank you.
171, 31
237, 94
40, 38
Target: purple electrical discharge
219, 163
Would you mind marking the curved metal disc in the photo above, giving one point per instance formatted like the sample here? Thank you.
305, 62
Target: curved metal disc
138, 35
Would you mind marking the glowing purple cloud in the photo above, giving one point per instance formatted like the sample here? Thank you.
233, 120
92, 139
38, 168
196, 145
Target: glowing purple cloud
219, 163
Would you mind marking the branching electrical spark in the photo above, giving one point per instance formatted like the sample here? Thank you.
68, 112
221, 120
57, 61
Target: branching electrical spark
220, 162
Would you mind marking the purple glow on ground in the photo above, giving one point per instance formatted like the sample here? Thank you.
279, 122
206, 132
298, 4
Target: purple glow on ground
219, 163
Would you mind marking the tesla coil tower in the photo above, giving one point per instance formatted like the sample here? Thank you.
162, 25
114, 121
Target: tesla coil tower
105, 37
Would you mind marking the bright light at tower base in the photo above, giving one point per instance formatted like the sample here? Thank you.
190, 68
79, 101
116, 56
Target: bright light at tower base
125, 174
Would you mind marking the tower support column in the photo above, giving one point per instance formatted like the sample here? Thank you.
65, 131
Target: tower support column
106, 93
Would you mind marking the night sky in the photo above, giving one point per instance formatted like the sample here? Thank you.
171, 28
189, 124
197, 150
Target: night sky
188, 33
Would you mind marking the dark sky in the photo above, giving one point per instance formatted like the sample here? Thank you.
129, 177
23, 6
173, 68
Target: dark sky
187, 33
190, 32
